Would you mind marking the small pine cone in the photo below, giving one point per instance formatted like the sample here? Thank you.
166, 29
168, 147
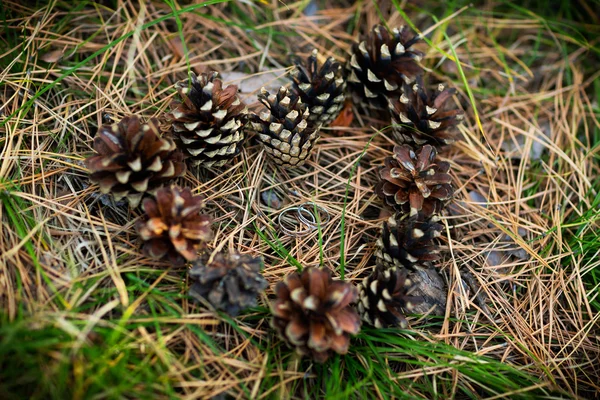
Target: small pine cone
283, 128
173, 227
209, 122
312, 312
384, 296
133, 159
321, 89
422, 117
414, 182
381, 63
229, 282
408, 241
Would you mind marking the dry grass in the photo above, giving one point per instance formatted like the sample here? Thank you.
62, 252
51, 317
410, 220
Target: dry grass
530, 148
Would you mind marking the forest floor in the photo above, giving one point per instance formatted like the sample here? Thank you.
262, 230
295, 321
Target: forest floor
83, 314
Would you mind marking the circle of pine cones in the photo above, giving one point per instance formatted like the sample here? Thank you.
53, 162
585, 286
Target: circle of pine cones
207, 126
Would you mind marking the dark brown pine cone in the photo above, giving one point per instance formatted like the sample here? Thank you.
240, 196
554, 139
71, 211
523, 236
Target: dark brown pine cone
408, 241
173, 227
312, 312
415, 182
133, 159
428, 285
380, 63
283, 128
384, 297
230, 282
209, 122
423, 117
321, 89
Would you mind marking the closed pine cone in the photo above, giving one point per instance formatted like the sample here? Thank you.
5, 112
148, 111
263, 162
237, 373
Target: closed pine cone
133, 159
408, 241
312, 312
283, 128
209, 122
173, 227
415, 181
383, 61
322, 88
229, 282
384, 297
423, 117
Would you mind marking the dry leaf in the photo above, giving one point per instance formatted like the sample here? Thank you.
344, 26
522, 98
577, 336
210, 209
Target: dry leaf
249, 84
52, 56
346, 116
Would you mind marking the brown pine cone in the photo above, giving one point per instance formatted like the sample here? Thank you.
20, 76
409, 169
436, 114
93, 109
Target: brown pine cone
384, 296
312, 312
209, 122
229, 282
173, 227
381, 62
133, 159
408, 241
322, 88
284, 129
423, 117
415, 182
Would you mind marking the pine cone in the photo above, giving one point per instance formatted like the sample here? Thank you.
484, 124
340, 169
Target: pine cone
407, 241
428, 285
422, 117
229, 282
209, 122
173, 227
384, 296
321, 89
381, 63
133, 159
283, 128
415, 182
312, 312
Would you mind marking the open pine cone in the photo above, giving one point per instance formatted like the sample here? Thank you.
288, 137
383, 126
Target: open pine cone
133, 159
209, 121
423, 117
380, 63
229, 282
384, 296
414, 182
312, 312
173, 227
321, 89
283, 128
408, 241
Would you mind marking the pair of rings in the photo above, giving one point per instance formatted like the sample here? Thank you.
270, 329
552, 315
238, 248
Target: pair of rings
308, 214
